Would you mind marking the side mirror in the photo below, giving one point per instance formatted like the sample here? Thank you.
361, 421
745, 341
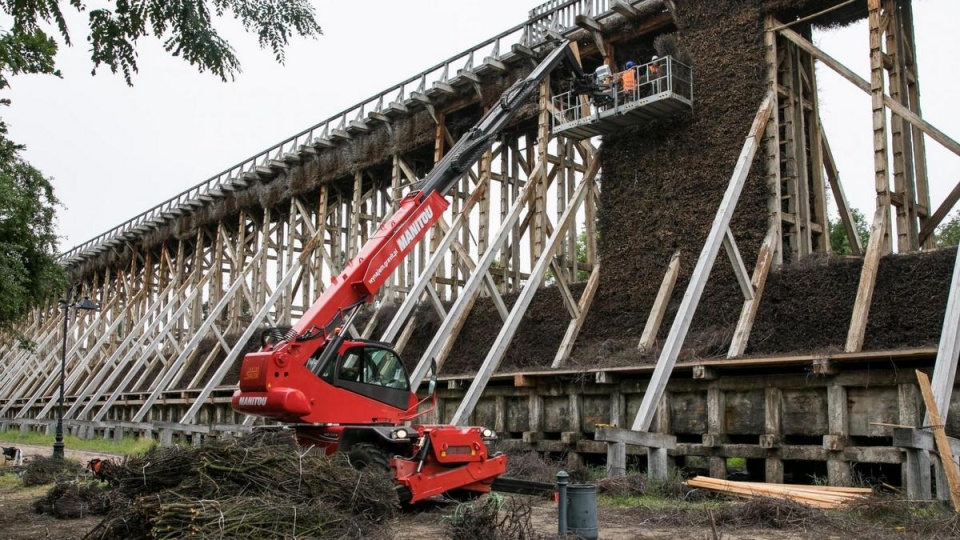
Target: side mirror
432, 386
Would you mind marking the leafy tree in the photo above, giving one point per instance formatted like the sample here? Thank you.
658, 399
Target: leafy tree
185, 28
948, 233
29, 274
838, 235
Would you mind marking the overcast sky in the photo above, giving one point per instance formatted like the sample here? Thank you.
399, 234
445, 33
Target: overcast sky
114, 151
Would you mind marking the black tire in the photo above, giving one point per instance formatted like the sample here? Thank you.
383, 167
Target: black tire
366, 455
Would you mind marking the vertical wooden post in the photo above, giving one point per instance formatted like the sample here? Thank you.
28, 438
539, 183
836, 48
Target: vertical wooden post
772, 415
838, 423
716, 428
916, 467
882, 182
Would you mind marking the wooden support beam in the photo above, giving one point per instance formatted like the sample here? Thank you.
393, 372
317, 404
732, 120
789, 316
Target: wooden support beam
573, 329
846, 213
930, 224
868, 278
860, 83
650, 330
736, 261
945, 369
880, 131
678, 332
502, 342
940, 436
456, 313
921, 439
625, 9
751, 306
636, 438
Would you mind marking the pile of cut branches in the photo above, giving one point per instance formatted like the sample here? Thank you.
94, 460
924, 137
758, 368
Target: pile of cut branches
258, 486
45, 470
74, 499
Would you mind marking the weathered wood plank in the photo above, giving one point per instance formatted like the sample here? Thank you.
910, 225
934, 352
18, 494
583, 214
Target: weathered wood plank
637, 438
652, 327
701, 273
868, 278
945, 369
751, 306
860, 83
940, 436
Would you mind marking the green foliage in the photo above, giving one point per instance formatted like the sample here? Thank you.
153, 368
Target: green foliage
948, 233
581, 249
185, 28
29, 273
128, 446
838, 235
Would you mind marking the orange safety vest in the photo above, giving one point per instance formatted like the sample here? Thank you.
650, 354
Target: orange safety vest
629, 80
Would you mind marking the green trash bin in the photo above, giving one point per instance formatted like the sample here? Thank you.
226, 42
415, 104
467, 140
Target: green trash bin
582, 511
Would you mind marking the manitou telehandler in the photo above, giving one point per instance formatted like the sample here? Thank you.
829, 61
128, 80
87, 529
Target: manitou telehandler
354, 396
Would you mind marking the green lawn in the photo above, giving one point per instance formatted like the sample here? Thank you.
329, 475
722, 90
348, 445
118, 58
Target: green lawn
127, 446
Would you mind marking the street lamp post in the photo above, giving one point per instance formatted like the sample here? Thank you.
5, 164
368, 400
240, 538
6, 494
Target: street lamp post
87, 305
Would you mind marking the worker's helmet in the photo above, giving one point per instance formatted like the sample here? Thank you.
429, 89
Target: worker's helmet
630, 64
655, 58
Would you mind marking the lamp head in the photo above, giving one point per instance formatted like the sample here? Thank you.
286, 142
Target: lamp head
87, 304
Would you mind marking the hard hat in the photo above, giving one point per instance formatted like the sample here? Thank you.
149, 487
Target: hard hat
654, 58
630, 64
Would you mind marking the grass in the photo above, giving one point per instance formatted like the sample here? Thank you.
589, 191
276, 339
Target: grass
9, 481
656, 502
128, 446
736, 463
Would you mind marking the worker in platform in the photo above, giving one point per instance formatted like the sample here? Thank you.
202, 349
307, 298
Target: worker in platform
628, 79
654, 72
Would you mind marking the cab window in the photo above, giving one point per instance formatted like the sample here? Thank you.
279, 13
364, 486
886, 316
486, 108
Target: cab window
375, 366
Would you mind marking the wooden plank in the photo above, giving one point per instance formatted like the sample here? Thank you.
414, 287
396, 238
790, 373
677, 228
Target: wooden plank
868, 278
736, 261
930, 224
940, 436
573, 330
636, 438
751, 306
921, 439
846, 214
467, 294
701, 272
880, 132
945, 369
772, 142
499, 348
652, 327
860, 83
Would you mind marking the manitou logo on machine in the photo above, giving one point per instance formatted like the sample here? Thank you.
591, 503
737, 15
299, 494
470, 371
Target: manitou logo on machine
414, 229
253, 401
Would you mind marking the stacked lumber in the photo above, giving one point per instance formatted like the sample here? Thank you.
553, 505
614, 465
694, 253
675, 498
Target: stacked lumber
816, 496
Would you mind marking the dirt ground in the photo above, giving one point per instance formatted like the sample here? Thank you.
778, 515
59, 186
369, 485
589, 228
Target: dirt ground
19, 522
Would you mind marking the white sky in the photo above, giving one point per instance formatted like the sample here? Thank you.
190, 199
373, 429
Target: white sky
115, 151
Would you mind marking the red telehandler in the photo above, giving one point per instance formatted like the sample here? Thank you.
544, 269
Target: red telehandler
354, 396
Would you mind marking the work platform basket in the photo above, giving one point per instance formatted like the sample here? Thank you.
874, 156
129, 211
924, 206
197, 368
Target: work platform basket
662, 88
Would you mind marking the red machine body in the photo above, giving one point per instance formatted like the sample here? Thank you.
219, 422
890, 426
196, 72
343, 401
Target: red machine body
354, 396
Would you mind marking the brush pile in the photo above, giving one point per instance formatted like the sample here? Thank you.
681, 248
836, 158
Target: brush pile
815, 496
75, 499
258, 486
46, 470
